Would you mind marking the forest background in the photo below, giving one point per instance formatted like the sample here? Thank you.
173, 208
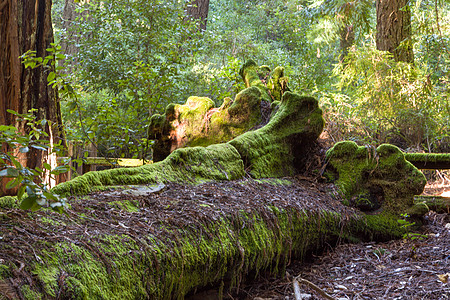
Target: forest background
128, 59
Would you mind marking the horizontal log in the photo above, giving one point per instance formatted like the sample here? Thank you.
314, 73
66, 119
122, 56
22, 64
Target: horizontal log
101, 161
438, 204
429, 161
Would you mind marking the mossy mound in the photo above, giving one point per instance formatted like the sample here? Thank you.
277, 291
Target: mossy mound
374, 180
277, 149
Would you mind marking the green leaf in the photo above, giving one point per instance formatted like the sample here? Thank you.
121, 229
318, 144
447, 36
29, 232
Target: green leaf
51, 196
47, 166
9, 172
12, 183
12, 111
21, 192
28, 202
51, 76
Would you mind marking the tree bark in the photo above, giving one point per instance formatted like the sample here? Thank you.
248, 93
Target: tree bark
394, 29
198, 9
26, 25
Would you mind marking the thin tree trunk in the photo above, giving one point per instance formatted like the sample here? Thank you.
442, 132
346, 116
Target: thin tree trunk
394, 29
26, 25
198, 9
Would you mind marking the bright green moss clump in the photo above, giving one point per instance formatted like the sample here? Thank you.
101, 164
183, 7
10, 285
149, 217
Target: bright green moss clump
374, 179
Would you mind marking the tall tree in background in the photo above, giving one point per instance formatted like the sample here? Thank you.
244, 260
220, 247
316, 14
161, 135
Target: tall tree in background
198, 10
26, 25
394, 29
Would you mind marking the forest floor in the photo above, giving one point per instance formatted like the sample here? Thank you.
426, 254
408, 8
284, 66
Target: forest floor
414, 268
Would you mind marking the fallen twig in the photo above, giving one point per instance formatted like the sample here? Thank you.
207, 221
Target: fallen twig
313, 286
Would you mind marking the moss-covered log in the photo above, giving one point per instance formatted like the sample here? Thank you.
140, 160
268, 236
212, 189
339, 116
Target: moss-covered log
432, 161
423, 204
164, 245
374, 180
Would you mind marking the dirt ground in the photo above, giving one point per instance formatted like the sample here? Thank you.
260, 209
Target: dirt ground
414, 268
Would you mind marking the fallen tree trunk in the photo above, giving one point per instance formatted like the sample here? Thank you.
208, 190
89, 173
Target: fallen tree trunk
165, 244
438, 204
431, 161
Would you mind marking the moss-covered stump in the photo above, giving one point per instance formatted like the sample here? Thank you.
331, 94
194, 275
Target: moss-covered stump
199, 123
374, 180
163, 245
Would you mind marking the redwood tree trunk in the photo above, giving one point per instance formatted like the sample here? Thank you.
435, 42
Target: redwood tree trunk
198, 9
26, 25
394, 29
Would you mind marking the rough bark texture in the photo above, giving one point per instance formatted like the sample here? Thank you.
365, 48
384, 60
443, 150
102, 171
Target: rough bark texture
67, 41
26, 25
394, 29
198, 9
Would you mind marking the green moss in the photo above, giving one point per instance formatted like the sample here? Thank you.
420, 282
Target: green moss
274, 150
29, 294
47, 274
429, 160
48, 221
252, 75
8, 202
127, 205
381, 176
123, 267
4, 271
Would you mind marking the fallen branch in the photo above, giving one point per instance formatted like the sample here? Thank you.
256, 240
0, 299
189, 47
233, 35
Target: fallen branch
313, 286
